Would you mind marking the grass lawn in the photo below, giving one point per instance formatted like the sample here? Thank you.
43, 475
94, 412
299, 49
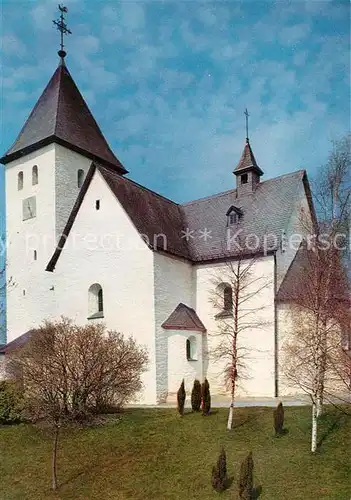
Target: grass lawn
155, 454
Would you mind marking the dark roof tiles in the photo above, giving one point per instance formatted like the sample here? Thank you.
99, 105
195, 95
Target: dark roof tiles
247, 161
61, 115
198, 231
183, 318
16, 343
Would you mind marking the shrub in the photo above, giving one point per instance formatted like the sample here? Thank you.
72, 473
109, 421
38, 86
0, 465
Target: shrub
10, 403
196, 396
181, 398
246, 478
278, 415
219, 473
206, 398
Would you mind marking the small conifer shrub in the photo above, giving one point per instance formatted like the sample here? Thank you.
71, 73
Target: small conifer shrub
206, 398
278, 415
196, 396
246, 478
181, 395
219, 473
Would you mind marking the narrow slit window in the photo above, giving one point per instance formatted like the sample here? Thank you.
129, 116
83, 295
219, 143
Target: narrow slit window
20, 181
97, 204
35, 178
35, 255
80, 178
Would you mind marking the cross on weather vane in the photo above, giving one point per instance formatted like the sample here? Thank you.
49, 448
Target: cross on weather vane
62, 27
247, 124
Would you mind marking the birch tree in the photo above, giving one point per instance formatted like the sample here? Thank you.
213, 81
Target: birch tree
320, 301
234, 288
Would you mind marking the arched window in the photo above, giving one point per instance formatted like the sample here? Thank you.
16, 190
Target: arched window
191, 352
96, 301
20, 181
227, 298
80, 178
35, 175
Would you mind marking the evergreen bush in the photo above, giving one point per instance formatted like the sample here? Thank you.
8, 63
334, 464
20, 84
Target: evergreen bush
10, 403
196, 396
278, 416
181, 395
246, 478
206, 398
219, 473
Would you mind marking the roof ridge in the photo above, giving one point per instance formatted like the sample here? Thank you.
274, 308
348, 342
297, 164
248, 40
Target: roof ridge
58, 98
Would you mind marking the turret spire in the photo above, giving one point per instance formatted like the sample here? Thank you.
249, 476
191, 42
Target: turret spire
62, 27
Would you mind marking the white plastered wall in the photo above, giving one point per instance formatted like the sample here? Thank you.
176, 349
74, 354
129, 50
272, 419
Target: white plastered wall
105, 248
258, 378
173, 284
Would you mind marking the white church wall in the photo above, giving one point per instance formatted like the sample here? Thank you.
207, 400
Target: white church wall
258, 342
66, 182
29, 300
173, 284
105, 248
179, 367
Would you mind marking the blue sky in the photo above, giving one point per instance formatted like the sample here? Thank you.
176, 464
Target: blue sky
168, 82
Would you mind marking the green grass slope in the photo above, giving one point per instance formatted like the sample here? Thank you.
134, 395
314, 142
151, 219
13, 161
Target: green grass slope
153, 454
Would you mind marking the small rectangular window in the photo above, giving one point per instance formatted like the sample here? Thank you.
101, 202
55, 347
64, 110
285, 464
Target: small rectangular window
97, 204
35, 255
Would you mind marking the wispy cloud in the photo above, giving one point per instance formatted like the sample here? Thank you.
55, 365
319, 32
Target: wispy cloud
168, 82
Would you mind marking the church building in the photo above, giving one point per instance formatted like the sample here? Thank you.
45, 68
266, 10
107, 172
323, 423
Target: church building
87, 242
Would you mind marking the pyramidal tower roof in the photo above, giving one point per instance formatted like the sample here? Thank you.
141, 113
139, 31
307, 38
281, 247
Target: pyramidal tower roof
62, 116
247, 161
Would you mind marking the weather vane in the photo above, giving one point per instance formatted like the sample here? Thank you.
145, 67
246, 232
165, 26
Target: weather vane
247, 124
62, 27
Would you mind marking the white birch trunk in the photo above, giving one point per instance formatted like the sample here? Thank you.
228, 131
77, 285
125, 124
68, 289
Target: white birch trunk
230, 417
319, 409
314, 428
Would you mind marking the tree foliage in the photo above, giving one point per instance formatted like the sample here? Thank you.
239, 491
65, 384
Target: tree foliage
68, 372
196, 396
11, 403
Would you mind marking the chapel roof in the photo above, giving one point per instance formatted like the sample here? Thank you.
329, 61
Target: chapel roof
16, 343
183, 318
62, 116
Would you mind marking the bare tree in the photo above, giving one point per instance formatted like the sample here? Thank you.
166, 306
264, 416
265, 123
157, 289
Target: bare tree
68, 372
320, 300
235, 286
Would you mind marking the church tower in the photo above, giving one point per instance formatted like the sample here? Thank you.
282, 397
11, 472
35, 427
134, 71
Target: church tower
44, 170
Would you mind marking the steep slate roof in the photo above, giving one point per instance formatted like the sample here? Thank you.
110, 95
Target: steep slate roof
247, 161
15, 344
61, 115
183, 318
266, 211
